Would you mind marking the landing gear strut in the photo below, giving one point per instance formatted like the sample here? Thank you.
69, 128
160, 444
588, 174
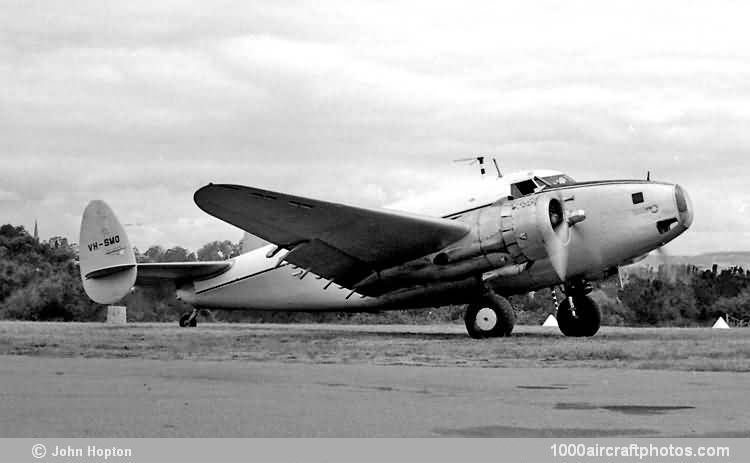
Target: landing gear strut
189, 319
490, 317
578, 315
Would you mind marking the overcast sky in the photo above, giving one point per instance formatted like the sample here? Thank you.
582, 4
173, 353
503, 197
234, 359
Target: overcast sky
142, 102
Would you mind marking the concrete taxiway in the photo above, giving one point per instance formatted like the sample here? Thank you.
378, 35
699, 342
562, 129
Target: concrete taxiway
105, 397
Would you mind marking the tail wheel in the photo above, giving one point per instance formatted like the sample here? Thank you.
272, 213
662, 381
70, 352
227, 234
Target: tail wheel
491, 317
188, 320
582, 320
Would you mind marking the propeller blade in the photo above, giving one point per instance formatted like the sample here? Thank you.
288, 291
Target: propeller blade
558, 257
556, 243
557, 238
664, 258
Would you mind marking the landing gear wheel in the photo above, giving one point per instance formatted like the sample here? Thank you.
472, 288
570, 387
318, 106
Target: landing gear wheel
585, 321
189, 320
491, 317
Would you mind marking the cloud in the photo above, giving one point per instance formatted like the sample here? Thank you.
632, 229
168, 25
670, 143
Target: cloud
9, 196
140, 103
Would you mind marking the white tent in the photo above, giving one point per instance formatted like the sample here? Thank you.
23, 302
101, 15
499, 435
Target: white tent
550, 321
721, 324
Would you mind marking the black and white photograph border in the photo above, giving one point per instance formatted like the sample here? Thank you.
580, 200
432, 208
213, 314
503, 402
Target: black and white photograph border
374, 219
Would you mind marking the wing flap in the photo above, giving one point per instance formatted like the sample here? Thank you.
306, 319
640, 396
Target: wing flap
328, 262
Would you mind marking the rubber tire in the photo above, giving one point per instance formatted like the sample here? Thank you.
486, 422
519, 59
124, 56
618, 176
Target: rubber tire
587, 321
185, 323
506, 317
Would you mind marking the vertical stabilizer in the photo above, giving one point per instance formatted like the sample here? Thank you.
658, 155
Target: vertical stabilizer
108, 267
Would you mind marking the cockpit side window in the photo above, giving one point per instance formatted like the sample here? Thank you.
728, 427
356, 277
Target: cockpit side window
523, 188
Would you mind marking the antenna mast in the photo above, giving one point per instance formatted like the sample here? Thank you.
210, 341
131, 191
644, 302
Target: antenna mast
497, 168
480, 160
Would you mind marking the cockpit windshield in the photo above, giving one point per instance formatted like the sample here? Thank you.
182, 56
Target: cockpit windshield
535, 184
558, 180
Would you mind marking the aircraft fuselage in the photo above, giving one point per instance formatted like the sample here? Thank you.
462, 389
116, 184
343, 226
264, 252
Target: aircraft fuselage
512, 248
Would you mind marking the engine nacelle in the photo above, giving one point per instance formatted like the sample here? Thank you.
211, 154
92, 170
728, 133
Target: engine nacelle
507, 238
529, 225
186, 293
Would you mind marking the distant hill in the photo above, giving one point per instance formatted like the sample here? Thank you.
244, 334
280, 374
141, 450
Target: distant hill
706, 260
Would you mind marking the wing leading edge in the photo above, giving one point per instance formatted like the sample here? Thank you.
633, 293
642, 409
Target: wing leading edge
339, 242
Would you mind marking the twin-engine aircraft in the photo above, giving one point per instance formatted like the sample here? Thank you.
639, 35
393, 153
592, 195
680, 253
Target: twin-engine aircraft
509, 235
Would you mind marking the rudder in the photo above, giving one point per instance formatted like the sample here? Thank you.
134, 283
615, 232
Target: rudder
107, 261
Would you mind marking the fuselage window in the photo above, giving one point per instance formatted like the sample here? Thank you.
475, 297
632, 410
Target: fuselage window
637, 198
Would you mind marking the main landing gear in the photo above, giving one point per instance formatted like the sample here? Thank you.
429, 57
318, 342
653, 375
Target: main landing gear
578, 315
491, 316
189, 319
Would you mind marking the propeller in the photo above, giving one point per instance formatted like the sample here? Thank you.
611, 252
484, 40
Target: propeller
558, 257
664, 259
557, 236
560, 231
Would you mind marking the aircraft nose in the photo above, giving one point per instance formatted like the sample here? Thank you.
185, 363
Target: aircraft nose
684, 206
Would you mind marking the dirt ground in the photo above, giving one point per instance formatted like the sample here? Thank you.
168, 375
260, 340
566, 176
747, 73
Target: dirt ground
687, 349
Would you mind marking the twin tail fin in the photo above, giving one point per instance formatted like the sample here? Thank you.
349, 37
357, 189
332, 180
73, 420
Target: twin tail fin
107, 261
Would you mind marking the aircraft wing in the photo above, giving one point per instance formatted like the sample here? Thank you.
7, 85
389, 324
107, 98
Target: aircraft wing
149, 273
338, 242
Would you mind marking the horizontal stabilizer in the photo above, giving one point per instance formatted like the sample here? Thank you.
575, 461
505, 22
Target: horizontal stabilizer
156, 273
103, 272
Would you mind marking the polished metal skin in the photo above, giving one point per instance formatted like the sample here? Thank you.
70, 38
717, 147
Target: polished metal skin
523, 232
513, 247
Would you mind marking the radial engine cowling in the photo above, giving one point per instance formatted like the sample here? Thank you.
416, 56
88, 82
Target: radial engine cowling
527, 229
534, 226
509, 236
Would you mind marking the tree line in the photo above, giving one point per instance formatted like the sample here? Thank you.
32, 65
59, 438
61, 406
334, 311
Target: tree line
41, 282
215, 250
